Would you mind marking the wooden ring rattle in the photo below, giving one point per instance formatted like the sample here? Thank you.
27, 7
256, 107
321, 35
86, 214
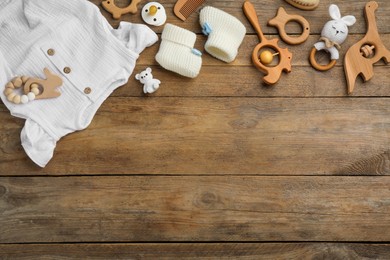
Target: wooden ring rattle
317, 66
116, 11
33, 88
280, 21
273, 74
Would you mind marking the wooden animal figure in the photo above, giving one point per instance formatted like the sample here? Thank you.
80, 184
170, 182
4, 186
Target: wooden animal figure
116, 11
360, 58
48, 86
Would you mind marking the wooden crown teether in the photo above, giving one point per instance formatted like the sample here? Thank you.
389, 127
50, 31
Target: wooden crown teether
33, 88
285, 56
280, 21
360, 58
116, 11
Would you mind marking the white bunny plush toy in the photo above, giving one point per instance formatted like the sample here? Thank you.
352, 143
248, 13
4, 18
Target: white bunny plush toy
150, 84
335, 32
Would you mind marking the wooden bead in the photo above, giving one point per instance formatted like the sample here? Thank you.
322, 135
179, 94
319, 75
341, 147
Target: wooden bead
35, 91
17, 99
34, 85
17, 82
31, 96
266, 57
24, 99
10, 85
10, 97
25, 79
8, 91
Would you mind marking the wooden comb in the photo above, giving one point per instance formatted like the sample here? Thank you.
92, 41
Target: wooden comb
184, 8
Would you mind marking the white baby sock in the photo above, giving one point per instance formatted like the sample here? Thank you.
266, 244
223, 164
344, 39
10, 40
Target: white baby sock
177, 51
225, 33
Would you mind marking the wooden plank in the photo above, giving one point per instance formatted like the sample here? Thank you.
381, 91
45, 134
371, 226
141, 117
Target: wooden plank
219, 136
197, 251
266, 10
246, 81
197, 208
242, 79
300, 52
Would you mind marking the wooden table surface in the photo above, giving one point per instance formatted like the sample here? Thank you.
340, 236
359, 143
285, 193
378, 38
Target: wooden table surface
219, 166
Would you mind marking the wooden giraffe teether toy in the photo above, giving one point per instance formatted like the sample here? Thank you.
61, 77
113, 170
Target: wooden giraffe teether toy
116, 11
361, 57
273, 73
33, 88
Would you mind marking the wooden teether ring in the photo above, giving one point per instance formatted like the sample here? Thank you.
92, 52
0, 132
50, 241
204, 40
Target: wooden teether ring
280, 21
33, 88
116, 11
317, 66
273, 73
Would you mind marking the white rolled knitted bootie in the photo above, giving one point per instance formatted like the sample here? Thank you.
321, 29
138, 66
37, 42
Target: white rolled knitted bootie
225, 33
177, 51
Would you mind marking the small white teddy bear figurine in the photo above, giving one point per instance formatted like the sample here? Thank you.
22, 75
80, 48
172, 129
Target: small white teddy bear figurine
335, 32
150, 84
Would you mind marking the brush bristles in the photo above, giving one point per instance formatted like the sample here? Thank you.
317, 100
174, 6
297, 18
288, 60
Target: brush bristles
190, 6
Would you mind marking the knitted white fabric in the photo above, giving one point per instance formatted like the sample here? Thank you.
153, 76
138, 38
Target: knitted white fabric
100, 58
177, 51
225, 32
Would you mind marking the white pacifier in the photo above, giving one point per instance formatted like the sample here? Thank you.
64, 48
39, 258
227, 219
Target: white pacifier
153, 13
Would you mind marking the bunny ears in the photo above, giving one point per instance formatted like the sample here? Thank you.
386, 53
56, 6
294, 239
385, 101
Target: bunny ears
334, 12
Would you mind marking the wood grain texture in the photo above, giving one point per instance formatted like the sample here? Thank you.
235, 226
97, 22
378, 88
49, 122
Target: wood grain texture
198, 208
219, 159
267, 10
218, 136
334, 251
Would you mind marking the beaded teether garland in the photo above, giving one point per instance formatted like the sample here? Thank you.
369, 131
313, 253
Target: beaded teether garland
33, 88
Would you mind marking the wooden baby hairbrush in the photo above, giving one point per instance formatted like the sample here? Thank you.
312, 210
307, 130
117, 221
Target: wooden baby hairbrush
184, 8
116, 11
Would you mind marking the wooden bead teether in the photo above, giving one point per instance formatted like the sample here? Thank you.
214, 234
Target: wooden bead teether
33, 88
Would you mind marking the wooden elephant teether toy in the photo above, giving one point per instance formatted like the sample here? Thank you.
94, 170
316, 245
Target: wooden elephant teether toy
360, 58
116, 11
33, 88
273, 72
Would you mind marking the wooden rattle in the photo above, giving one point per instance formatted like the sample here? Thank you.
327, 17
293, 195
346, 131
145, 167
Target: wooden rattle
361, 57
280, 21
116, 11
272, 73
33, 88
333, 34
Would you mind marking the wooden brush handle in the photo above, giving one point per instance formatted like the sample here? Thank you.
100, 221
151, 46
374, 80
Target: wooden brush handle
250, 13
